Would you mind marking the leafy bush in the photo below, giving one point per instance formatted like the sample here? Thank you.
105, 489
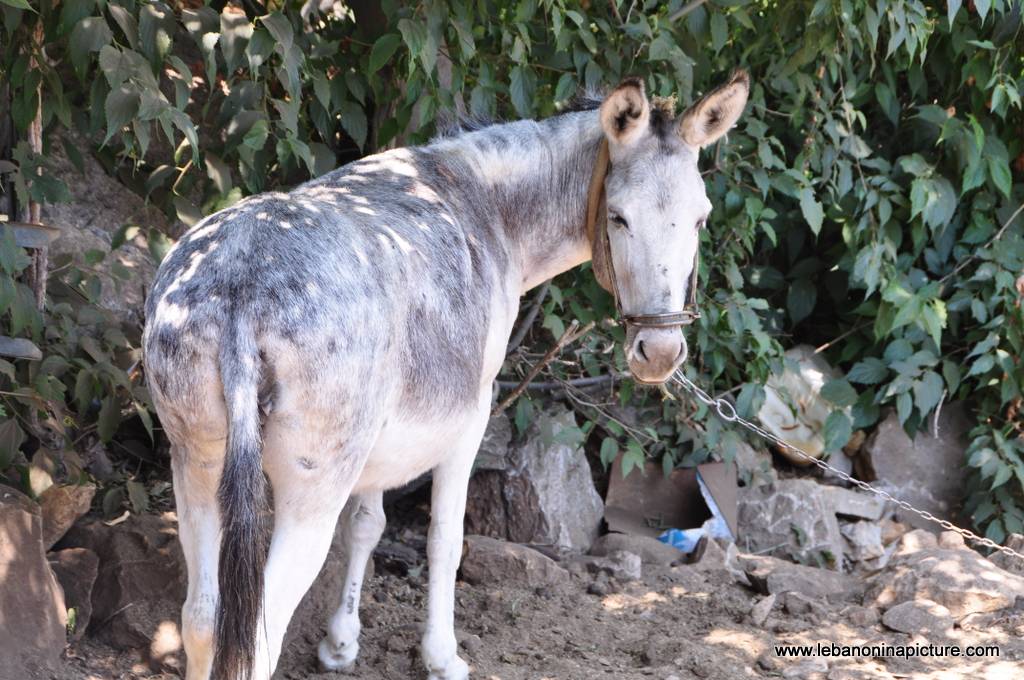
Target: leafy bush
865, 203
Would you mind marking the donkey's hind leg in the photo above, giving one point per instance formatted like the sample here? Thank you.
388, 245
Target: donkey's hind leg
311, 481
362, 525
196, 471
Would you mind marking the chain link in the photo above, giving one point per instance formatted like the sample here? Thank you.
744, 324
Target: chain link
727, 412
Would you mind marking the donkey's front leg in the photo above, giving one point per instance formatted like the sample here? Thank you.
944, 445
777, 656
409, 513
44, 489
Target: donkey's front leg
444, 549
362, 525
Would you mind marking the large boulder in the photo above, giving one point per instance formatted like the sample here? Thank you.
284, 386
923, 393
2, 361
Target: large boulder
32, 612
76, 569
544, 495
489, 561
61, 507
957, 578
99, 206
926, 471
140, 584
791, 519
773, 576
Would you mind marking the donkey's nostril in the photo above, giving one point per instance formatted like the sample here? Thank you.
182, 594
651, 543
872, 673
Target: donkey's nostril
640, 350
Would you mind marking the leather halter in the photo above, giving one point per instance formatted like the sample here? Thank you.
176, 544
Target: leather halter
604, 268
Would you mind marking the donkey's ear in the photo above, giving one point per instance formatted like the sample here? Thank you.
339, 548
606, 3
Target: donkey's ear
715, 113
626, 113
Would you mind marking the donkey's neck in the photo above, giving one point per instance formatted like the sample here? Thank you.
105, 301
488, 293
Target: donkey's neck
536, 179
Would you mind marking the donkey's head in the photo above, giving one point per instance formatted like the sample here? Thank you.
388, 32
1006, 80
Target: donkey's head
656, 206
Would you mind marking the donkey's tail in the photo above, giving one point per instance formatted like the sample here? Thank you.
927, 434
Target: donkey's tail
242, 496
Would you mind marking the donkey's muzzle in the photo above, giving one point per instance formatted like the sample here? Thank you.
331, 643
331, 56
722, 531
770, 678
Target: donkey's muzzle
654, 353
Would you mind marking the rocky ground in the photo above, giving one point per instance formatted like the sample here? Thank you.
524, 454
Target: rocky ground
634, 613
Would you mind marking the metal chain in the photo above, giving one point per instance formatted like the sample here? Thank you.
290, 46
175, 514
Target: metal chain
727, 412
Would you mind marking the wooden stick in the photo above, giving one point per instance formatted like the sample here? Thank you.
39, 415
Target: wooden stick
570, 335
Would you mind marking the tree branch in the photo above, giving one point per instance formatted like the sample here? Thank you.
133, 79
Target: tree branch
570, 335
530, 317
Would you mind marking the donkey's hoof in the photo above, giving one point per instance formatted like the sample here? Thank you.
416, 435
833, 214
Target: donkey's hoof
337, 657
456, 669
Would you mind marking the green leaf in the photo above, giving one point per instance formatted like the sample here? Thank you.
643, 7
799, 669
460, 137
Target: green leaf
800, 300
838, 430
870, 371
839, 392
904, 407
609, 451
121, 106
109, 418
18, 4
89, 35
999, 171
521, 88
382, 51
633, 457
719, 31
811, 209
414, 35
280, 30
353, 119
137, 496
11, 439
953, 6
928, 391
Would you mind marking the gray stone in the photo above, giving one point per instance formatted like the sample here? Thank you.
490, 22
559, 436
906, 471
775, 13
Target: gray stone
61, 507
927, 472
792, 519
76, 569
952, 540
493, 451
754, 466
798, 604
545, 496
760, 611
1014, 565
807, 669
864, 540
770, 575
863, 617
32, 611
99, 206
855, 503
140, 583
650, 550
961, 580
489, 561
918, 617
619, 564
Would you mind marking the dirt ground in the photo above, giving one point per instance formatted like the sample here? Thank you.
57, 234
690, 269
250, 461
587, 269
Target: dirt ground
677, 623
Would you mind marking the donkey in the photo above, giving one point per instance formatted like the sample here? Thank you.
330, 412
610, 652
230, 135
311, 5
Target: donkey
343, 339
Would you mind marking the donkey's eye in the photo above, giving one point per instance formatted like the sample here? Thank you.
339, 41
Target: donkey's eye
619, 220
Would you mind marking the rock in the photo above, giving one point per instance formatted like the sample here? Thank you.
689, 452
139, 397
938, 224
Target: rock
918, 617
961, 580
488, 561
650, 550
1014, 565
852, 503
952, 540
76, 569
791, 519
918, 539
754, 466
493, 451
141, 578
862, 617
806, 669
32, 611
760, 611
472, 644
864, 540
545, 495
619, 564
927, 472
793, 408
99, 206
892, 530
62, 506
771, 575
798, 604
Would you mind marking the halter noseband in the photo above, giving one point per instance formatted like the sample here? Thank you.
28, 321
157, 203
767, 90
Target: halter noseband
604, 269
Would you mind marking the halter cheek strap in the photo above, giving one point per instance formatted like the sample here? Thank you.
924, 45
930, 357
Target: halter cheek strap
604, 267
